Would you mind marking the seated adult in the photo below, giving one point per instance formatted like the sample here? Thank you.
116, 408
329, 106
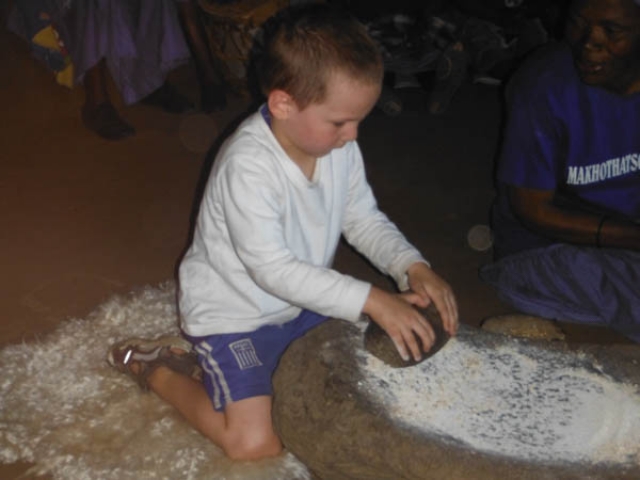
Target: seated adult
567, 216
135, 42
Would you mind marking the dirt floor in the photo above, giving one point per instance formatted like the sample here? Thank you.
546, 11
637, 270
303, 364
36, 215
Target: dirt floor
84, 218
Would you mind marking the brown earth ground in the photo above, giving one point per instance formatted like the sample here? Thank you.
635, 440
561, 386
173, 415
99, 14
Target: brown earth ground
83, 218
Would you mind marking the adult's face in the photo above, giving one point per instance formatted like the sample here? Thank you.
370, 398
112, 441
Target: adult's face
604, 36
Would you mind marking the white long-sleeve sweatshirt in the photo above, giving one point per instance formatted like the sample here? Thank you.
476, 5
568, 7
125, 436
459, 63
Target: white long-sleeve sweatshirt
266, 236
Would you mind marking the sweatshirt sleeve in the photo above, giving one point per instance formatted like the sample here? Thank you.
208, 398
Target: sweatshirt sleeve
371, 232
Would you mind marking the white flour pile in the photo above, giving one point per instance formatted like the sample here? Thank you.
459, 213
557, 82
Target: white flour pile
513, 401
65, 410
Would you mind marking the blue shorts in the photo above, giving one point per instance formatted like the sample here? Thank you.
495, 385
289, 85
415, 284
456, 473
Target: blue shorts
240, 365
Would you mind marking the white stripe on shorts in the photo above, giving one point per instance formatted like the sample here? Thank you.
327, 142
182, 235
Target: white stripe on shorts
213, 369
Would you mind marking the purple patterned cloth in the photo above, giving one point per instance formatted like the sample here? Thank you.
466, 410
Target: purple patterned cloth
141, 40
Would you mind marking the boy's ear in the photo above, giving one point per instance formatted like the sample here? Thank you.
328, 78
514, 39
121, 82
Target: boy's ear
280, 103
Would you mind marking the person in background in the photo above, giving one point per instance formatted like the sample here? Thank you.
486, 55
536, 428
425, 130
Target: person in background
213, 90
567, 216
284, 188
136, 43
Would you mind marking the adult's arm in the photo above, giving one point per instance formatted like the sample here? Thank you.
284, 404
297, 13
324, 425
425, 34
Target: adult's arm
541, 211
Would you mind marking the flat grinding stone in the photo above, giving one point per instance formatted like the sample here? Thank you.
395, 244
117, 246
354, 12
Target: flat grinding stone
485, 406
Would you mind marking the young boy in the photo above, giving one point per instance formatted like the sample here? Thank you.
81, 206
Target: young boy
258, 275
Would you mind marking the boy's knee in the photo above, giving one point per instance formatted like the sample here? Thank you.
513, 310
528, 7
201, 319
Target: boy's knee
253, 446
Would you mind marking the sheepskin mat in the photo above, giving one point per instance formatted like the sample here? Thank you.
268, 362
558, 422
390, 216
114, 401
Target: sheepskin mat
64, 409
485, 406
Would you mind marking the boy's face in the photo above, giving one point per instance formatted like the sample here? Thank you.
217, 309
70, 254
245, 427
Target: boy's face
320, 127
604, 36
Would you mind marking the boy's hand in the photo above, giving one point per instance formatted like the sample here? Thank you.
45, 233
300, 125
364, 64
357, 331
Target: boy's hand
432, 288
396, 316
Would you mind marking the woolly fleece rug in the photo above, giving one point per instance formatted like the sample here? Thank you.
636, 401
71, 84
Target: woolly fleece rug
65, 410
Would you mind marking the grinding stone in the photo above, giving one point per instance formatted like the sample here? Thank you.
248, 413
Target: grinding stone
379, 344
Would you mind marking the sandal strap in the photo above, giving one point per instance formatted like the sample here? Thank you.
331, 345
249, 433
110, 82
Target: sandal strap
182, 363
151, 354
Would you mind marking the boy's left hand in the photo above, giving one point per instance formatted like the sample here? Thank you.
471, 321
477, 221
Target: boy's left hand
432, 288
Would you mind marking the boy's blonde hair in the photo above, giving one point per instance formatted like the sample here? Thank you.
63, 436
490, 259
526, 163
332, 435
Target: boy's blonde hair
304, 46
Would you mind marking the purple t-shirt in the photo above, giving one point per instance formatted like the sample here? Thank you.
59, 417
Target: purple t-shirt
566, 136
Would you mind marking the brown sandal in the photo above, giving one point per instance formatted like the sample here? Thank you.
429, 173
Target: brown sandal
151, 354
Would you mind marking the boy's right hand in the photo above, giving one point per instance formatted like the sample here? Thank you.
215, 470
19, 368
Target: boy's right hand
396, 315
